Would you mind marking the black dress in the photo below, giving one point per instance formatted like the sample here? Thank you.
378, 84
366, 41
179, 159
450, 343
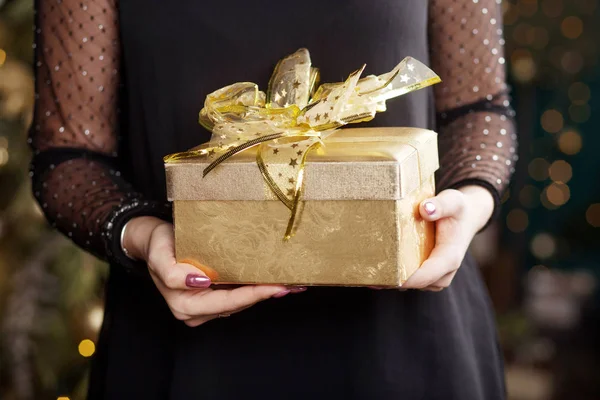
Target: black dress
120, 87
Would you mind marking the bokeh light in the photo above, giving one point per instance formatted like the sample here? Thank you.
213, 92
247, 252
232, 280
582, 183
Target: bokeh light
569, 142
2, 57
538, 169
572, 61
561, 171
37, 211
517, 220
3, 156
529, 196
87, 348
62, 398
523, 67
540, 38
580, 113
552, 121
543, 245
557, 193
571, 27
592, 215
579, 93
521, 33
95, 318
546, 202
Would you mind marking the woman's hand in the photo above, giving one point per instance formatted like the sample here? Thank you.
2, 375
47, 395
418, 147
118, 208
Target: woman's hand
458, 216
185, 287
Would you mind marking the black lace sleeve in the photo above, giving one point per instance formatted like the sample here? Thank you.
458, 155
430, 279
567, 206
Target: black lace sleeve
475, 121
75, 168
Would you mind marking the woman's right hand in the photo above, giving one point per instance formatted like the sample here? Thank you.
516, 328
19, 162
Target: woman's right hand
185, 288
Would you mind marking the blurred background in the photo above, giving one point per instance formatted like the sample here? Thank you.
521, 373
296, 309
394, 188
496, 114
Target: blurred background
541, 260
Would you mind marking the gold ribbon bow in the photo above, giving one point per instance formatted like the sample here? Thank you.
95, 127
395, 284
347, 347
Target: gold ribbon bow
294, 117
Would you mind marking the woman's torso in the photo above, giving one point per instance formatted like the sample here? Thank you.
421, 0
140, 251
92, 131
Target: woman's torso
341, 343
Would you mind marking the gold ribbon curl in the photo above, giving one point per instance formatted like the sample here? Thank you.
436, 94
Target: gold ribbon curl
294, 117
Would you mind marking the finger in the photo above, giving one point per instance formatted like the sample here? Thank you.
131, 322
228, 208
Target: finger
445, 281
449, 203
163, 265
204, 303
401, 289
444, 258
194, 322
433, 288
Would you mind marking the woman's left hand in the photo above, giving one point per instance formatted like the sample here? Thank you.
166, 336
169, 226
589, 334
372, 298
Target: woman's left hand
458, 216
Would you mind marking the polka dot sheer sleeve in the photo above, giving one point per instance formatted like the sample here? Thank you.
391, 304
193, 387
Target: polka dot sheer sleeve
75, 169
475, 121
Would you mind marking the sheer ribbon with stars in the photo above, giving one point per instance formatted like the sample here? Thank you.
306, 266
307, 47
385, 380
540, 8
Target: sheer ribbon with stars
295, 116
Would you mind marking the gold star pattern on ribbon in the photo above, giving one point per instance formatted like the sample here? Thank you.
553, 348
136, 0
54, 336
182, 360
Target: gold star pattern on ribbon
294, 116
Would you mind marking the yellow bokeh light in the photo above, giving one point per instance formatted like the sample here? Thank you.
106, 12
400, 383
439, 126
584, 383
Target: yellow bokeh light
560, 171
3, 156
579, 93
538, 169
62, 398
569, 142
522, 65
552, 121
529, 196
592, 215
552, 8
543, 245
571, 27
517, 220
518, 54
546, 202
95, 318
558, 193
580, 113
2, 57
87, 347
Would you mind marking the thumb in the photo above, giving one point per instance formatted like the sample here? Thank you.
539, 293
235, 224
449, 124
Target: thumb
177, 276
448, 203
164, 267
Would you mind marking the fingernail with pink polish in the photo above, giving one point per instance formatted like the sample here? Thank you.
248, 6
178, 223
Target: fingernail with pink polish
298, 289
281, 294
197, 281
429, 208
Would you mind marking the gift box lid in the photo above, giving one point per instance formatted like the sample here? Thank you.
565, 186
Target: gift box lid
353, 164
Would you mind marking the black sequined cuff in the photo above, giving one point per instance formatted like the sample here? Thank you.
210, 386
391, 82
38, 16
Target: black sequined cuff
114, 226
485, 184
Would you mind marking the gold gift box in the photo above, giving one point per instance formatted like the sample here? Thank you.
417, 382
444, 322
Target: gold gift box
358, 224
